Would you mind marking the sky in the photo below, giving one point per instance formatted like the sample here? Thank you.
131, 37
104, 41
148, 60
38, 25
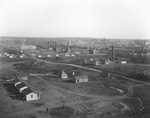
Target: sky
119, 19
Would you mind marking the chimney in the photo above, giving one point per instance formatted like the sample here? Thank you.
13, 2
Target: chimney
48, 44
113, 54
68, 46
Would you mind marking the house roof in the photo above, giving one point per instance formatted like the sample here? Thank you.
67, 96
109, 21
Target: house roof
21, 85
26, 91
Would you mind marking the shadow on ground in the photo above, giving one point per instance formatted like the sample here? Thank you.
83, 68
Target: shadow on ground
13, 93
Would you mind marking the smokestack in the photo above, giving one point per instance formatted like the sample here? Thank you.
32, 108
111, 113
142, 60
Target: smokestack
113, 54
48, 45
68, 46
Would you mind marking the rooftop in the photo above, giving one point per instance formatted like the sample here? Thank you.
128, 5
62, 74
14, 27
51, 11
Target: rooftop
26, 91
20, 85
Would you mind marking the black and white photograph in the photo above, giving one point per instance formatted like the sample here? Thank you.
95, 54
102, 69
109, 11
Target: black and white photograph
74, 59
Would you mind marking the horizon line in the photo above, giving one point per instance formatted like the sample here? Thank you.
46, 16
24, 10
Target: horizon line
73, 37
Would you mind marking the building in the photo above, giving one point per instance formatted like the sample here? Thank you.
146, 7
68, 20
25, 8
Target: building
22, 56
81, 78
69, 54
97, 63
21, 86
12, 56
92, 61
57, 73
105, 61
39, 56
29, 95
49, 56
55, 49
123, 62
63, 75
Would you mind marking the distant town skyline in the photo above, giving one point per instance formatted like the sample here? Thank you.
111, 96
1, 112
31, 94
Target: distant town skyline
116, 19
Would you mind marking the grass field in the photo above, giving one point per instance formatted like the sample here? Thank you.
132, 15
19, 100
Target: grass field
127, 70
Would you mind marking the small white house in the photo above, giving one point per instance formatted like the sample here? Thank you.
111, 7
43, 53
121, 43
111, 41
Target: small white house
22, 56
30, 95
48, 55
123, 62
97, 63
11, 56
56, 55
39, 56
80, 79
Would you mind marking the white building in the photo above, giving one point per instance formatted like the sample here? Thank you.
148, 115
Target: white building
97, 63
12, 56
123, 62
39, 56
56, 55
48, 55
22, 56
30, 95
80, 79
64, 75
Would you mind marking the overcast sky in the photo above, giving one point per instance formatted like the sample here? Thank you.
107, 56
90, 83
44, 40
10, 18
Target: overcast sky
76, 18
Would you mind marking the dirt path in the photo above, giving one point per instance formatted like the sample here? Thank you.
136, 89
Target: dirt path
130, 89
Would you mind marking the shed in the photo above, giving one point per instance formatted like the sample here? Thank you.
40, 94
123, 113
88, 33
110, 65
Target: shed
30, 95
21, 87
81, 78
